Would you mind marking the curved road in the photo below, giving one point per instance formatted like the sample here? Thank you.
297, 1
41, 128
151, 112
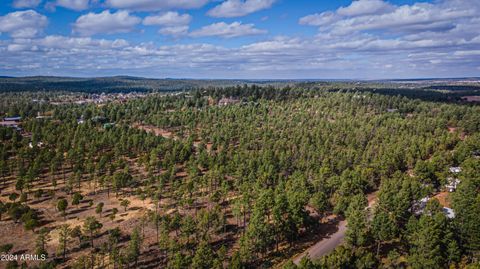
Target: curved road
328, 244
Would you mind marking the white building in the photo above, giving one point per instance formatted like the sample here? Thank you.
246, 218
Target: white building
449, 212
452, 184
455, 170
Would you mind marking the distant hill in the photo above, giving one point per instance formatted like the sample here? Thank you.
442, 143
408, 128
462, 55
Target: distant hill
113, 84
124, 84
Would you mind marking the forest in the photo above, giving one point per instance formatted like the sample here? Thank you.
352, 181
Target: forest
117, 84
245, 176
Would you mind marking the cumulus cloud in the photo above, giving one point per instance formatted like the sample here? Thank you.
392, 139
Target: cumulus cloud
365, 15
431, 40
239, 8
365, 7
174, 30
322, 57
63, 42
168, 19
23, 24
105, 22
222, 29
319, 19
26, 3
76, 5
172, 23
418, 17
149, 5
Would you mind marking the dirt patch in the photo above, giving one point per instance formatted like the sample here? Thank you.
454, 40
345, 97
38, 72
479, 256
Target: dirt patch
443, 198
452, 130
154, 130
461, 135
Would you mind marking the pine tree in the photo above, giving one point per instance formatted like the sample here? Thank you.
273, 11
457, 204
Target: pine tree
64, 237
134, 246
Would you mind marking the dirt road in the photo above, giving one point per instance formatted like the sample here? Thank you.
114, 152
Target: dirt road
328, 244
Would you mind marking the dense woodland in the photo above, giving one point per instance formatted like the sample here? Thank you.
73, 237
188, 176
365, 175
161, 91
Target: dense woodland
117, 84
179, 181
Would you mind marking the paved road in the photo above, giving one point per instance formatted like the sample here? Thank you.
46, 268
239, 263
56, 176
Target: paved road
328, 244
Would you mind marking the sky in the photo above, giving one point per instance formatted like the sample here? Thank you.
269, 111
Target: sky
241, 39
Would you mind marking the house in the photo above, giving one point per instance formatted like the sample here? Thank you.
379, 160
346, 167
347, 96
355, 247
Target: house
419, 207
455, 170
392, 110
12, 122
42, 116
15, 119
452, 184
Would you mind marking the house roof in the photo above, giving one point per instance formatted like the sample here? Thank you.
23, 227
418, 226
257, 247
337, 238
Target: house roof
455, 169
12, 118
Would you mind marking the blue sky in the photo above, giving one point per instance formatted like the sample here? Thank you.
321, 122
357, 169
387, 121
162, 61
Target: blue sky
257, 39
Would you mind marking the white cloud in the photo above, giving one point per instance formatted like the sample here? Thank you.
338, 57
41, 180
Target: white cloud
26, 3
23, 24
174, 30
467, 53
279, 45
281, 57
239, 8
172, 23
19, 47
222, 29
168, 19
437, 39
317, 19
76, 5
365, 7
105, 22
418, 17
365, 15
149, 5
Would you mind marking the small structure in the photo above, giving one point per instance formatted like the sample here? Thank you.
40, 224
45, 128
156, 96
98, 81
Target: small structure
42, 116
12, 122
452, 184
392, 110
108, 125
39, 145
419, 207
228, 101
15, 119
448, 212
455, 170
